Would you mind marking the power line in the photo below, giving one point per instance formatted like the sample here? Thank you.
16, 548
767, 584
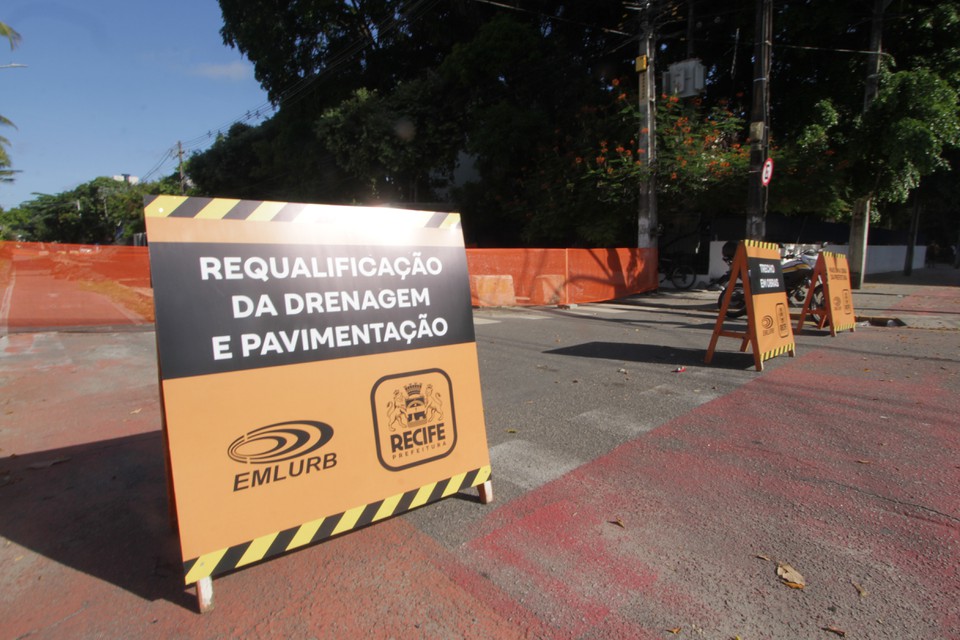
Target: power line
503, 5
149, 174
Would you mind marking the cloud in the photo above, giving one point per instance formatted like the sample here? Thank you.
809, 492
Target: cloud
234, 71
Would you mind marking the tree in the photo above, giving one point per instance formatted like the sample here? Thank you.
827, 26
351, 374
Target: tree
701, 153
904, 134
6, 175
502, 88
520, 87
102, 211
811, 172
401, 145
520, 92
279, 160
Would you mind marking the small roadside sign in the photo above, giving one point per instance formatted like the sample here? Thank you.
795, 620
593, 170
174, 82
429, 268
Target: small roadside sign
757, 266
767, 173
832, 273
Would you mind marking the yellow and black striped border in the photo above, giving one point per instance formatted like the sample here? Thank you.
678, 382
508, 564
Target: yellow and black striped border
223, 560
852, 326
773, 353
762, 245
265, 211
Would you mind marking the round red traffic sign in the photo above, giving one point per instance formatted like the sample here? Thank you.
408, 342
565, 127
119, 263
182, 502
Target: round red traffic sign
767, 172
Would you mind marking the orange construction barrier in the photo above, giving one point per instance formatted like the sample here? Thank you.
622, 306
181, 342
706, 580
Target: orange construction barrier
51, 285
509, 277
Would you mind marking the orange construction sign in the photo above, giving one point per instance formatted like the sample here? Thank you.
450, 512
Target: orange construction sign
757, 266
832, 275
318, 370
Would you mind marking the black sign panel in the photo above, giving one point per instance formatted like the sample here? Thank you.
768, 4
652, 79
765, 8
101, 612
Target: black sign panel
271, 305
766, 276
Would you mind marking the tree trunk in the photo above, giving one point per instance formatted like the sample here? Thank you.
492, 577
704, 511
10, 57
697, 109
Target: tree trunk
859, 231
914, 231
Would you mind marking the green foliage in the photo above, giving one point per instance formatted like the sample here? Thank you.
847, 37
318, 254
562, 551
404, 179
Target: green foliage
102, 211
279, 160
700, 150
6, 174
10, 34
526, 99
904, 134
807, 168
397, 145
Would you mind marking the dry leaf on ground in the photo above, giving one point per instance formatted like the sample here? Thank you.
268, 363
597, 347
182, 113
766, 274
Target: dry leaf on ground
790, 576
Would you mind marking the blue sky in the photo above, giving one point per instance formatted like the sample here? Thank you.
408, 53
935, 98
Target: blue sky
111, 85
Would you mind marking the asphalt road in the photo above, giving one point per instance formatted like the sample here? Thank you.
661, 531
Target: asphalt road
632, 500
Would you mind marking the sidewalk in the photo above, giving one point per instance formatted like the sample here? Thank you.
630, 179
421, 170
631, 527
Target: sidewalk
631, 501
934, 305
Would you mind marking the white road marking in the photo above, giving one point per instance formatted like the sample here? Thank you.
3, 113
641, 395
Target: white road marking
529, 465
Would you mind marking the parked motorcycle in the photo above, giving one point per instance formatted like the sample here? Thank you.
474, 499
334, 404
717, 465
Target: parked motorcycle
797, 275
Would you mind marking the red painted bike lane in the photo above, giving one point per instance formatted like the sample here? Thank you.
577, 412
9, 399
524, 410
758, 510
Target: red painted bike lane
842, 463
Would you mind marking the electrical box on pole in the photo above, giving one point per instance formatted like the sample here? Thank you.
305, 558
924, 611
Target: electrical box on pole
684, 79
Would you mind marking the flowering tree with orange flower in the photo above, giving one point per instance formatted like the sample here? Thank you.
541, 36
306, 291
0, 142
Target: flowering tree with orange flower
700, 149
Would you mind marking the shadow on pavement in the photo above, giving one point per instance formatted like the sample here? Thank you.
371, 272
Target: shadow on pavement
667, 304
624, 351
98, 508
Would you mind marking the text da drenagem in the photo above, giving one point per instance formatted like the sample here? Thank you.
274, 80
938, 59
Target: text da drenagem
305, 304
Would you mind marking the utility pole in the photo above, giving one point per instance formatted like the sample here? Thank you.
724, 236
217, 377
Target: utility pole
646, 137
860, 218
183, 176
760, 121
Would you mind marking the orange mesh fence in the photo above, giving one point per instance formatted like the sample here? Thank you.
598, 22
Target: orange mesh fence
507, 277
48, 285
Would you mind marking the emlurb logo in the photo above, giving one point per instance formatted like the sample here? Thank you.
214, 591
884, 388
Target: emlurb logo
767, 323
413, 418
283, 442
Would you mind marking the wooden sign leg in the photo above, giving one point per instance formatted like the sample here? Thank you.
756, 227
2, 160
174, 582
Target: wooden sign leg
757, 356
205, 594
486, 492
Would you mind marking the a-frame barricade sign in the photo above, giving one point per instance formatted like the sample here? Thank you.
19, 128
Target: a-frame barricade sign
318, 372
757, 265
832, 275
